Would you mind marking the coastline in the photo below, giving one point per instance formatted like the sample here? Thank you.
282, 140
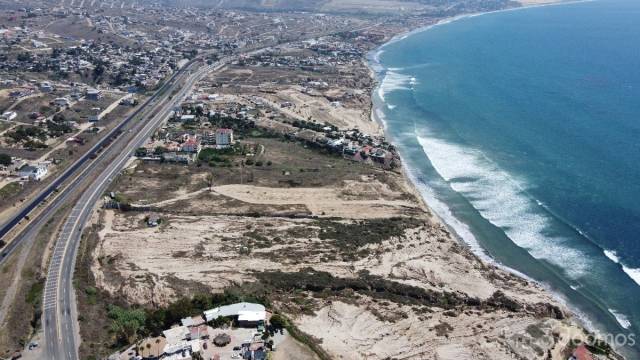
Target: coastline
451, 19
440, 210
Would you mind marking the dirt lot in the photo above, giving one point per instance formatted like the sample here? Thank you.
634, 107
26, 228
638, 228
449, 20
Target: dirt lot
291, 165
312, 250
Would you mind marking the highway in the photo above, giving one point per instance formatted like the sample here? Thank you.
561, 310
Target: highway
60, 317
89, 178
72, 171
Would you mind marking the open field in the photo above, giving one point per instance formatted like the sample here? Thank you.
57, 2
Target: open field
312, 250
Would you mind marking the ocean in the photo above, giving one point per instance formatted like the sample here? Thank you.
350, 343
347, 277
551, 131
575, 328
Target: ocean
522, 131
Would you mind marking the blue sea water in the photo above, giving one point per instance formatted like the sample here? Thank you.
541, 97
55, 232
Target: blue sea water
522, 129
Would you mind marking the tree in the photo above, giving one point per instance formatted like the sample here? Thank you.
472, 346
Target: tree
278, 322
5, 160
126, 323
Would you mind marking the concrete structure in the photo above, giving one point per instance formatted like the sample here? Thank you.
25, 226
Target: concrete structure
62, 102
93, 94
46, 87
224, 137
35, 172
9, 115
187, 118
244, 313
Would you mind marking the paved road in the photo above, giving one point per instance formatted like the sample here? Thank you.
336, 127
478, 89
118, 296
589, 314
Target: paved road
72, 171
60, 319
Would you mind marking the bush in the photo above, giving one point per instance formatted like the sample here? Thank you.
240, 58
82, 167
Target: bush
5, 160
278, 322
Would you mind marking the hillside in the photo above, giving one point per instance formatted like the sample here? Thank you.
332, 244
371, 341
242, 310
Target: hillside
354, 6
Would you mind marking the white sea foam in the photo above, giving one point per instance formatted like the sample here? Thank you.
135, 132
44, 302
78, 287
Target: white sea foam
612, 256
621, 318
444, 212
391, 107
393, 81
502, 200
634, 274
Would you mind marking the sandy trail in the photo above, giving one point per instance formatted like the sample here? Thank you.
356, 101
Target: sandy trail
320, 201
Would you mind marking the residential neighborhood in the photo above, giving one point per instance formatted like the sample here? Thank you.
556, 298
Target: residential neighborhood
235, 331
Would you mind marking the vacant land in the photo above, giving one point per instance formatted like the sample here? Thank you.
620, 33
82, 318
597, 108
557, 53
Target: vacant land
346, 249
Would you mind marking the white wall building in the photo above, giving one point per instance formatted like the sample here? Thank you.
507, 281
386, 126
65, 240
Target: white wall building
33, 172
245, 312
224, 137
10, 115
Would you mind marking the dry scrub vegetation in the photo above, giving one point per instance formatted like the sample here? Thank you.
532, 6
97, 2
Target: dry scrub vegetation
349, 255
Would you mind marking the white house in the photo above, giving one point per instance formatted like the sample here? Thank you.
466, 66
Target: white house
46, 86
33, 172
9, 115
62, 102
187, 118
224, 137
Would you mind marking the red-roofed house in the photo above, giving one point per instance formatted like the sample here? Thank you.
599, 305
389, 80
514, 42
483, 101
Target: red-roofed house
581, 353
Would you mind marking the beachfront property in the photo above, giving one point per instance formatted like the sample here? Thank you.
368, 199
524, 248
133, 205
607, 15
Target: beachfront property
244, 314
195, 336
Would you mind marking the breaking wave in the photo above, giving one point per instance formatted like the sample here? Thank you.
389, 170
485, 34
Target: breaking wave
394, 81
621, 319
502, 200
634, 274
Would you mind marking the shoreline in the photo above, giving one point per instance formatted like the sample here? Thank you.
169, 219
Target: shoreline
378, 72
451, 19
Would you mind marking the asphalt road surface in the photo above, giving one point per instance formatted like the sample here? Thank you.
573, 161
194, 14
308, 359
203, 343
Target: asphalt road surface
60, 316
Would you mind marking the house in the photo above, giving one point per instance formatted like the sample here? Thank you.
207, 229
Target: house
187, 118
581, 353
9, 115
96, 114
191, 145
224, 138
192, 321
178, 158
245, 314
208, 138
176, 334
182, 350
178, 345
61, 102
35, 172
46, 87
93, 94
